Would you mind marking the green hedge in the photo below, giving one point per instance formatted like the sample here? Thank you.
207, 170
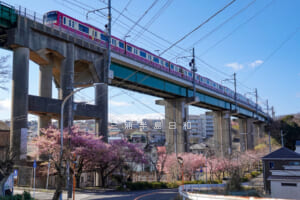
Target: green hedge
160, 185
24, 196
147, 185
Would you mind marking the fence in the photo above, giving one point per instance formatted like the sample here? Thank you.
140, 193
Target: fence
191, 192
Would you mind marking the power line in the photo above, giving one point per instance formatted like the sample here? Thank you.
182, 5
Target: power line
206, 21
238, 27
125, 8
145, 13
152, 20
273, 52
201, 60
157, 36
222, 24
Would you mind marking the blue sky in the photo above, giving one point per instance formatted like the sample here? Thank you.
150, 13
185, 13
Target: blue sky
263, 50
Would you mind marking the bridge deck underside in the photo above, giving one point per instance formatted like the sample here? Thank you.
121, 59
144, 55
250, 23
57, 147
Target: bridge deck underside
135, 80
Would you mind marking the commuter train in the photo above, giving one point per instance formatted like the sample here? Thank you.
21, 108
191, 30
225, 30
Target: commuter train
117, 45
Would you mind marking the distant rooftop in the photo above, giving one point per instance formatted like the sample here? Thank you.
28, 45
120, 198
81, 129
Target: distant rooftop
282, 153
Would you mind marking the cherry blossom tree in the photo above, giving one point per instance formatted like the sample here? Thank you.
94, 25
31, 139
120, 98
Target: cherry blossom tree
191, 163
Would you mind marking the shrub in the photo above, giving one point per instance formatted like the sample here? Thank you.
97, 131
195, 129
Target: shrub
145, 185
248, 176
255, 174
24, 196
244, 179
234, 184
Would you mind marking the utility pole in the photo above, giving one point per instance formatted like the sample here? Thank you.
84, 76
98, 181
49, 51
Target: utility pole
194, 70
235, 94
269, 133
281, 134
109, 36
273, 112
256, 102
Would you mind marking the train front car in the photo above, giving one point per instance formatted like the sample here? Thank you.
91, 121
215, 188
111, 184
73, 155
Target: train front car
51, 18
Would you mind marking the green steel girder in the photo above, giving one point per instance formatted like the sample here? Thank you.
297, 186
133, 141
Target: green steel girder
143, 79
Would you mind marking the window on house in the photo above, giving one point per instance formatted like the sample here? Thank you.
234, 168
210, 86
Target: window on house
271, 165
289, 184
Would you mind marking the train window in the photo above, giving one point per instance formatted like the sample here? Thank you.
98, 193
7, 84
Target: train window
69, 22
95, 34
129, 48
161, 62
143, 54
149, 57
172, 66
83, 28
64, 20
155, 59
166, 64
103, 37
121, 45
51, 16
113, 41
190, 74
207, 81
135, 51
201, 79
73, 24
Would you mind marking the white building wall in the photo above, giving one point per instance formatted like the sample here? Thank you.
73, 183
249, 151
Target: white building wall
285, 192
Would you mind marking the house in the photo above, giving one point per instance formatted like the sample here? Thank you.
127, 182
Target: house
198, 148
5, 139
282, 173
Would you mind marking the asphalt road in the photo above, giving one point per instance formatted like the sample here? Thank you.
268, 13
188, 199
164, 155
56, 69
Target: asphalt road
163, 194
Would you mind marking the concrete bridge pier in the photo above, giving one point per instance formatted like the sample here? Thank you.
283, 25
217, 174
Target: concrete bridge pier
67, 83
243, 134
251, 132
222, 133
45, 90
101, 100
19, 112
248, 134
176, 113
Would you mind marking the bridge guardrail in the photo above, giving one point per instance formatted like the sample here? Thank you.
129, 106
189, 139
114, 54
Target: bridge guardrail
189, 192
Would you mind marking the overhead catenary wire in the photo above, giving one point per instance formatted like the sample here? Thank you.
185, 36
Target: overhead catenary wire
237, 28
144, 14
209, 66
124, 9
222, 24
199, 26
153, 19
156, 35
272, 53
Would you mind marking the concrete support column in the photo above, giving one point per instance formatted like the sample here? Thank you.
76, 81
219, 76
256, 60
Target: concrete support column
45, 90
101, 100
175, 116
243, 134
66, 84
19, 109
250, 134
222, 133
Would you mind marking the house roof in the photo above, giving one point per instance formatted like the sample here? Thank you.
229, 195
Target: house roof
282, 153
272, 177
199, 146
3, 126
